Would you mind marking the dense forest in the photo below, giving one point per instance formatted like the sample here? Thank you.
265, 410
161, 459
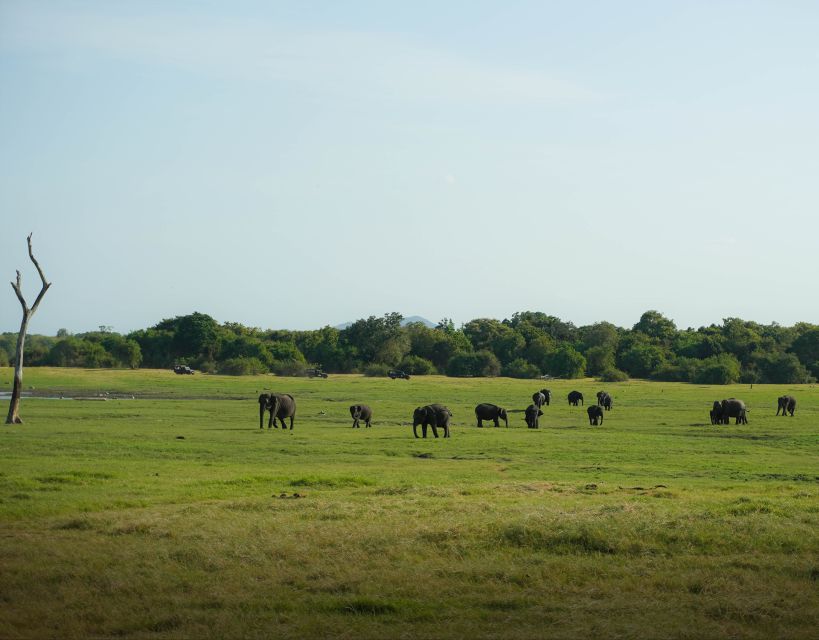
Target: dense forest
527, 345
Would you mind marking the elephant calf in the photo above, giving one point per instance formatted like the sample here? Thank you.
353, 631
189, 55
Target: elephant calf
595, 415
431, 415
604, 400
786, 404
531, 415
486, 411
575, 397
361, 412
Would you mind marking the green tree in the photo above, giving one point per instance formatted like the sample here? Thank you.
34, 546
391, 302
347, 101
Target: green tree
655, 325
721, 369
473, 364
366, 338
641, 359
599, 359
565, 362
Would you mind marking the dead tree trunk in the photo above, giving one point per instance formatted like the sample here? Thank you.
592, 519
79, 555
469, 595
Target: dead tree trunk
17, 389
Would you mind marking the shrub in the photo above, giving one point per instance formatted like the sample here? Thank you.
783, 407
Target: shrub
207, 366
477, 364
376, 370
416, 366
242, 367
721, 369
565, 362
613, 375
288, 368
520, 368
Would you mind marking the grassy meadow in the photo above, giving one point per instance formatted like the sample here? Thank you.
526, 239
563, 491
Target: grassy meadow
165, 512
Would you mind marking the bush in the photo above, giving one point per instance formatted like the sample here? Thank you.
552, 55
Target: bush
681, 370
565, 362
613, 375
376, 370
520, 368
416, 366
721, 369
208, 366
242, 367
477, 364
288, 368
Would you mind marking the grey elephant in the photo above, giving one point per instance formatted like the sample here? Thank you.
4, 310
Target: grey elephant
487, 411
786, 404
733, 408
716, 413
431, 415
604, 400
539, 398
361, 412
595, 414
280, 405
575, 397
531, 415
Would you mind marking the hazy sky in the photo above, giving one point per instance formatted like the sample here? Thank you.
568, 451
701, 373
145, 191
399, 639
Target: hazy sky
296, 164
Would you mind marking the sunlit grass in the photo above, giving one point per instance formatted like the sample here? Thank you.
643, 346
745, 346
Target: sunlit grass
173, 515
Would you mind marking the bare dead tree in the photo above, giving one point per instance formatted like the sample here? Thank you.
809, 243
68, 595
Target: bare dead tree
14, 405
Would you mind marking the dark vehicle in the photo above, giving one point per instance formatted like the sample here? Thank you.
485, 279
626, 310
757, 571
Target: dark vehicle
398, 374
183, 370
315, 372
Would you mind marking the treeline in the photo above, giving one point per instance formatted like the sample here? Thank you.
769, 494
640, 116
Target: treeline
527, 345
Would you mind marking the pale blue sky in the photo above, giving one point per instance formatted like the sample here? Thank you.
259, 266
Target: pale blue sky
296, 164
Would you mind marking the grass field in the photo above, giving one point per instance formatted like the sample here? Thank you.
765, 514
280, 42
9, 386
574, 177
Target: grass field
170, 514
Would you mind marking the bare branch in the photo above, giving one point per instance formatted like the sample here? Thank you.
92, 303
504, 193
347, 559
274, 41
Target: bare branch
46, 285
19, 291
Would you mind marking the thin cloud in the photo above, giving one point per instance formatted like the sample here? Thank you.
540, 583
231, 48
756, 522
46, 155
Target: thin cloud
331, 62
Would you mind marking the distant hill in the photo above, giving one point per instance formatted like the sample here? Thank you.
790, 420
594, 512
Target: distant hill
404, 322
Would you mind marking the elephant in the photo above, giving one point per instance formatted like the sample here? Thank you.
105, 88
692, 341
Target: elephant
544, 396
531, 415
361, 412
604, 400
716, 413
432, 415
595, 412
575, 397
733, 408
786, 404
280, 405
486, 411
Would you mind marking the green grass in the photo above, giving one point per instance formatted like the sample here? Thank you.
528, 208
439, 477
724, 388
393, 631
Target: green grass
172, 515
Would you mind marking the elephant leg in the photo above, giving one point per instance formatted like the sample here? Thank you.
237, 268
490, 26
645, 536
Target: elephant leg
497, 423
434, 430
480, 423
292, 418
415, 430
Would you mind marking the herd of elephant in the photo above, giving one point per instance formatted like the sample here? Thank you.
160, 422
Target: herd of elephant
544, 397
722, 412
434, 416
437, 416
